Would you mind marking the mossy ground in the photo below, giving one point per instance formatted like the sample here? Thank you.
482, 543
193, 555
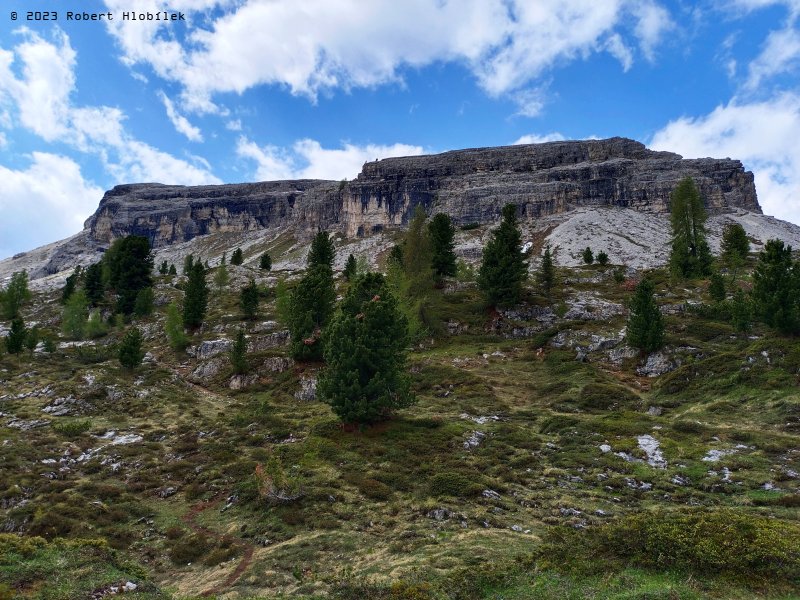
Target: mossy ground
180, 512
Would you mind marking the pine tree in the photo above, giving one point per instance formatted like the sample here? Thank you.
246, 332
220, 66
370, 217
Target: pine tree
776, 287
163, 268
15, 339
602, 258
503, 269
417, 257
237, 258
221, 276
130, 265
396, 254
188, 263
588, 256
735, 248
173, 327
93, 284
349, 271
645, 324
32, 339
196, 300
130, 352
239, 354
94, 326
546, 276
741, 311
73, 319
248, 300
145, 301
441, 233
265, 262
322, 251
173, 270
310, 308
16, 294
690, 255
70, 285
365, 379
717, 287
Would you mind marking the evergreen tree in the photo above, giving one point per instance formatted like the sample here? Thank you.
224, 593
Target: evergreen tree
93, 284
70, 285
188, 263
237, 258
145, 301
173, 327
350, 268
73, 319
265, 262
776, 287
735, 248
163, 268
503, 269
310, 308
645, 323
32, 339
248, 300
417, 257
221, 277
130, 352
690, 255
588, 256
546, 276
396, 254
441, 233
130, 266
717, 287
196, 300
322, 251
602, 258
741, 311
239, 354
94, 326
173, 270
15, 295
365, 379
15, 339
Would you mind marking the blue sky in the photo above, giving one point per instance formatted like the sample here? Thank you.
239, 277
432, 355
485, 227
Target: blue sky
246, 90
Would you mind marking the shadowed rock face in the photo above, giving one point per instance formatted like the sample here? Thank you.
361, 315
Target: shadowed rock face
470, 185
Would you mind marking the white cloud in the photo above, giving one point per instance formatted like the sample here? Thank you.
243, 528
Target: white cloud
307, 159
310, 46
40, 96
763, 135
234, 125
180, 122
48, 200
535, 138
781, 53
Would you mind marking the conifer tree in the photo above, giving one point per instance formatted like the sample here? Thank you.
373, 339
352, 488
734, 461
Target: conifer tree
716, 289
265, 262
239, 354
188, 263
645, 324
735, 248
130, 352
130, 265
503, 269
441, 233
173, 270
365, 379
94, 326
588, 256
322, 251
145, 300
741, 311
15, 295
248, 300
310, 308
602, 258
690, 255
237, 258
196, 300
221, 276
417, 257
32, 339
163, 268
396, 254
15, 339
93, 283
73, 319
546, 275
350, 267
776, 287
173, 327
70, 285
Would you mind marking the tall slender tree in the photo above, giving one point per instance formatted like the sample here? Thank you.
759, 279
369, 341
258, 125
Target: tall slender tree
248, 300
690, 255
503, 268
776, 287
15, 295
15, 339
441, 233
735, 248
310, 308
196, 301
645, 329
546, 276
93, 283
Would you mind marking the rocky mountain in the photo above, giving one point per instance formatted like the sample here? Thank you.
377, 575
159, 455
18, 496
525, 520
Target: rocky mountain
549, 182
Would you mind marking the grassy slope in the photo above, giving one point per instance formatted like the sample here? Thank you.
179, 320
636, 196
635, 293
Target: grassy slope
364, 519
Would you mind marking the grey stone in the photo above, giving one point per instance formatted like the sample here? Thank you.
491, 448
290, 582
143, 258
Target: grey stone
308, 389
209, 348
657, 363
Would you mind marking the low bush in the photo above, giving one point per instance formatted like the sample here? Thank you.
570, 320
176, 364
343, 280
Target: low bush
450, 483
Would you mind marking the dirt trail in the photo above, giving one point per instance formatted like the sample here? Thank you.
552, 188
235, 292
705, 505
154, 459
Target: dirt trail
247, 548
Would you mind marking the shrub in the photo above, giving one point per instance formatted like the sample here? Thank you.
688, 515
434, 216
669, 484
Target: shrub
602, 396
130, 349
73, 428
449, 483
588, 255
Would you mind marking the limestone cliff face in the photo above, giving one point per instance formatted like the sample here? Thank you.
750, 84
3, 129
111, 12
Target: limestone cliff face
469, 185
